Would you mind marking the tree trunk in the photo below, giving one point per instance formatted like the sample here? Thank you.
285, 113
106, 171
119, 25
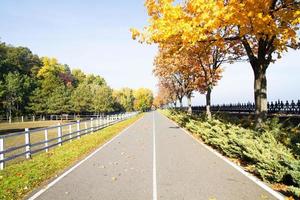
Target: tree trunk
208, 103
180, 102
175, 104
260, 95
189, 98
10, 113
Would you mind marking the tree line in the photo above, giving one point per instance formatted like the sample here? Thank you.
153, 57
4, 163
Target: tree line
30, 84
197, 37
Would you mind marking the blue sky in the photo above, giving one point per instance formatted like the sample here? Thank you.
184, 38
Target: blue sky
94, 35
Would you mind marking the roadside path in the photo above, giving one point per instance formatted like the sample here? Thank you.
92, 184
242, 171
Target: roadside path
154, 159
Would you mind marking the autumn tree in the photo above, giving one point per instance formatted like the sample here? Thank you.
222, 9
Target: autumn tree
207, 58
262, 28
165, 95
185, 69
175, 72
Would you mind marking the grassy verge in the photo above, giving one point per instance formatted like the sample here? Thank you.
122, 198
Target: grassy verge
258, 152
19, 179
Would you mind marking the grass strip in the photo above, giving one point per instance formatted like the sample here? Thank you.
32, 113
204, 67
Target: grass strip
19, 179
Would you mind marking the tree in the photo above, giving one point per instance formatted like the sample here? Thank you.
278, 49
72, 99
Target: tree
81, 98
164, 96
262, 29
55, 85
176, 72
207, 59
15, 88
18, 66
18, 59
79, 76
143, 99
125, 98
59, 101
103, 101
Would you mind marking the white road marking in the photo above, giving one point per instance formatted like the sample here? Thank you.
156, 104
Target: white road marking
36, 195
154, 161
238, 168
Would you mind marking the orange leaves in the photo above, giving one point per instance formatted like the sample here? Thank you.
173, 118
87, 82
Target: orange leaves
198, 20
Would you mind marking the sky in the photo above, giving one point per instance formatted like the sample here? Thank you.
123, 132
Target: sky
93, 35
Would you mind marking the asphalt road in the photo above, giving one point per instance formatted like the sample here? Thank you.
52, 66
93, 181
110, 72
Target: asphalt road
175, 166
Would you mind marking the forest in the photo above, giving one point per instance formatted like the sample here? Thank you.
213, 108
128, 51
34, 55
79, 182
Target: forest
33, 85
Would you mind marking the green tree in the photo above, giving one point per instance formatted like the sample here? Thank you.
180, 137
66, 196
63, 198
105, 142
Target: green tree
18, 59
14, 94
79, 76
95, 79
143, 99
59, 101
103, 100
125, 98
81, 98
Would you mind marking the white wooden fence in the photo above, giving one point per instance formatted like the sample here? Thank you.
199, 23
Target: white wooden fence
30, 141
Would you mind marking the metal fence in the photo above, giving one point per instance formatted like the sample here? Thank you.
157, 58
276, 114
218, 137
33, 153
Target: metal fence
21, 145
273, 108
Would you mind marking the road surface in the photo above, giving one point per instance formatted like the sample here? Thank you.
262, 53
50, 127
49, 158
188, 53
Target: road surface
154, 159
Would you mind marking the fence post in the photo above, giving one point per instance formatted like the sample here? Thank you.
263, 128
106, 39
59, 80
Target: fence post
97, 123
46, 139
59, 134
33, 118
1, 154
92, 125
22, 118
78, 129
27, 143
85, 127
70, 131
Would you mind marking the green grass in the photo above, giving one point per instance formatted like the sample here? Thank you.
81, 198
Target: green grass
259, 152
19, 179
